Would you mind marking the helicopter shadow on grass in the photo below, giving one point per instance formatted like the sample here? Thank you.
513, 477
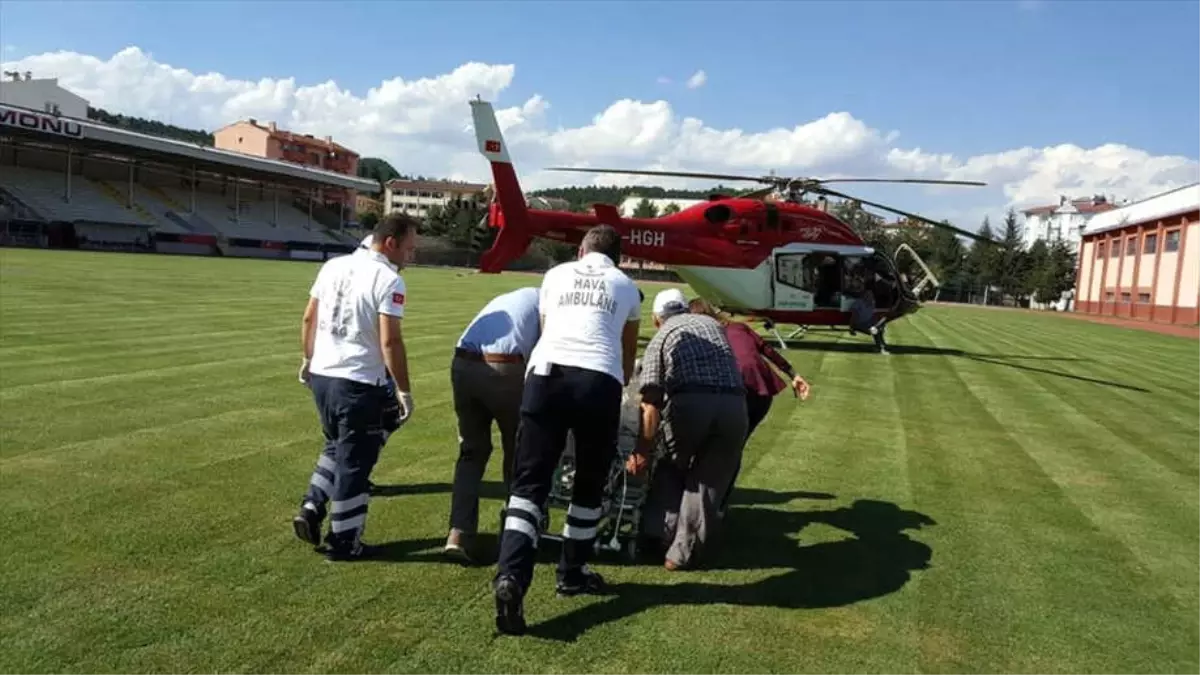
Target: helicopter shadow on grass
876, 559
1006, 360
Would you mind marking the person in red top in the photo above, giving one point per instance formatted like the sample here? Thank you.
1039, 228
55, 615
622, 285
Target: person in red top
761, 382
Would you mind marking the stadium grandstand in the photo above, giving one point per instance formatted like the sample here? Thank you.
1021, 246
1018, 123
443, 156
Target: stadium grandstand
71, 182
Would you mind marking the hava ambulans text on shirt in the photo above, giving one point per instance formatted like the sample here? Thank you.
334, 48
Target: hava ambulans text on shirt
588, 292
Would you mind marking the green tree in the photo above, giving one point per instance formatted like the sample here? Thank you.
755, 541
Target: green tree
1055, 272
670, 208
645, 209
945, 256
863, 223
368, 219
1013, 270
455, 223
1037, 271
983, 261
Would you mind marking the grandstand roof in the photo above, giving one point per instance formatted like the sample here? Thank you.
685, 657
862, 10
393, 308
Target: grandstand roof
1175, 202
34, 125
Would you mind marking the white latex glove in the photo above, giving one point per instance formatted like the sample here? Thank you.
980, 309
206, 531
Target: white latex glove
406, 405
304, 374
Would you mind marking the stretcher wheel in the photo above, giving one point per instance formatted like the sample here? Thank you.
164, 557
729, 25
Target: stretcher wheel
631, 549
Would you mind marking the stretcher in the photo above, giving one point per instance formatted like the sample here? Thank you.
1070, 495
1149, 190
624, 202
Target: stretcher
624, 495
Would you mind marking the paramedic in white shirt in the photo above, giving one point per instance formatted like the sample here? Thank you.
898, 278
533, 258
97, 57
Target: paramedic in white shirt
590, 313
352, 342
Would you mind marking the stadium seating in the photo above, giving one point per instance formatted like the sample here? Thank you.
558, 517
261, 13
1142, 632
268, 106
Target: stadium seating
42, 191
164, 209
254, 220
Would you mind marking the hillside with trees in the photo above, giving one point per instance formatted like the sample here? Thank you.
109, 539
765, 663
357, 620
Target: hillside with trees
151, 127
582, 197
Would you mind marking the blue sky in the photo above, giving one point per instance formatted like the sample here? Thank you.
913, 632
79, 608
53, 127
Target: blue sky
966, 78
975, 76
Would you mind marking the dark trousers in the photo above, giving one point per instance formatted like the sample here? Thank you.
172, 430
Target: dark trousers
351, 419
757, 407
703, 434
587, 403
483, 393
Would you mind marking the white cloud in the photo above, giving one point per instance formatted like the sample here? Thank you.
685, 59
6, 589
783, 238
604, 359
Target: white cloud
663, 79
422, 126
697, 80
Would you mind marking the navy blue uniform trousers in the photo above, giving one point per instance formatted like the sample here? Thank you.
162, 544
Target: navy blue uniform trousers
588, 403
352, 420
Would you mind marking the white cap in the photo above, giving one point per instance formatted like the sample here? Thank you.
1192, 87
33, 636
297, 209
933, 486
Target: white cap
367, 241
670, 301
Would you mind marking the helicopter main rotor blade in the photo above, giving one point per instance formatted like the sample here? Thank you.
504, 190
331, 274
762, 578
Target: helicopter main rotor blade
772, 180
913, 216
680, 174
924, 181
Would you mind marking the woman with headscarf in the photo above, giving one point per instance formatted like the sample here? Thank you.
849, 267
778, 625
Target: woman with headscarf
761, 382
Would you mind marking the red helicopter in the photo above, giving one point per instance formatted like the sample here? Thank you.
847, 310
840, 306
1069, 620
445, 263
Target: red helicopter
765, 255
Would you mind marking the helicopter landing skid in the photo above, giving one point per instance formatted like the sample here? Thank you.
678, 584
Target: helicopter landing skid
800, 332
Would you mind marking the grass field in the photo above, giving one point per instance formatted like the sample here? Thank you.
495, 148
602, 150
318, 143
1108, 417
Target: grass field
1008, 492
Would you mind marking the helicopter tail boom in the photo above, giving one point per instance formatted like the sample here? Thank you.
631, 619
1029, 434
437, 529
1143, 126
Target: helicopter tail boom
508, 210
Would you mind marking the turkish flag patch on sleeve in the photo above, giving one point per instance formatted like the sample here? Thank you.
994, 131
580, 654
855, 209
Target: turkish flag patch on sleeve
397, 298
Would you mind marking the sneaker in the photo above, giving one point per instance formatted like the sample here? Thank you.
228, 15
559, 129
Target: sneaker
583, 581
307, 524
457, 546
510, 614
359, 551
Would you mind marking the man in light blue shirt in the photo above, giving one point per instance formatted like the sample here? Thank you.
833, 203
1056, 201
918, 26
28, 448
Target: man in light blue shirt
488, 379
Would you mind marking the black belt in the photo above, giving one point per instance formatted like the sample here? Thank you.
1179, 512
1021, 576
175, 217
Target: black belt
469, 355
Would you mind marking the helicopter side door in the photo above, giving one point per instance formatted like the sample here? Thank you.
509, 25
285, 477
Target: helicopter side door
924, 276
892, 292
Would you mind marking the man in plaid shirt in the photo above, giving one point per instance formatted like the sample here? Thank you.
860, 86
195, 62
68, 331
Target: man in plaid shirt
691, 383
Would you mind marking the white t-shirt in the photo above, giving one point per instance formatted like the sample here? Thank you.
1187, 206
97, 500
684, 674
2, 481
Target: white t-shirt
586, 304
351, 292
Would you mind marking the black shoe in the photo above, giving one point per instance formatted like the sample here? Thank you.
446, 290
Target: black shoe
583, 581
307, 525
510, 615
359, 551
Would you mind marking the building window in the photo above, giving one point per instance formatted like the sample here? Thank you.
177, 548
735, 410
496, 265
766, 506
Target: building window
1143, 298
1131, 246
1108, 295
1100, 250
1114, 250
1171, 242
1125, 297
1151, 245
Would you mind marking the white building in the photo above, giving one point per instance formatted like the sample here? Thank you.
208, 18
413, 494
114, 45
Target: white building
42, 95
1064, 221
414, 197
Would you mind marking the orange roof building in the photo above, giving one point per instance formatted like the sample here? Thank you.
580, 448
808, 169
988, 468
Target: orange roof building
268, 141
